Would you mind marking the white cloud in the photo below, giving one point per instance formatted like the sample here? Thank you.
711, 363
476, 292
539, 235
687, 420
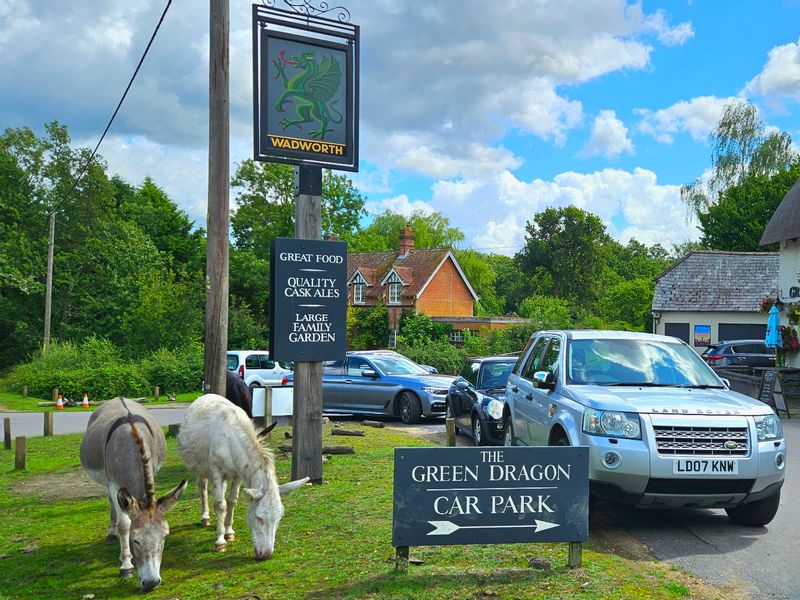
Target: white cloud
668, 35
780, 77
609, 137
399, 204
630, 203
697, 116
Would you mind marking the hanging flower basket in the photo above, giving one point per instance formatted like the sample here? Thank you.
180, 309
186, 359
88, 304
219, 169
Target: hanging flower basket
793, 313
766, 304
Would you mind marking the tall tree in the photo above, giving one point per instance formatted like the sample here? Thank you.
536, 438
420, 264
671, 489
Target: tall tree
741, 146
430, 231
738, 220
569, 245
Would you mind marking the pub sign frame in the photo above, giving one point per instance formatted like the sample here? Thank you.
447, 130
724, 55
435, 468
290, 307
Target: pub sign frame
318, 131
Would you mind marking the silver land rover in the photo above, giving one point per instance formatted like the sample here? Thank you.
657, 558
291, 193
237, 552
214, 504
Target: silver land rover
663, 430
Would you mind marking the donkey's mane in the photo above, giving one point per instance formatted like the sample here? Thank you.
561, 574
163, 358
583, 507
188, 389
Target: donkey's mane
265, 455
149, 483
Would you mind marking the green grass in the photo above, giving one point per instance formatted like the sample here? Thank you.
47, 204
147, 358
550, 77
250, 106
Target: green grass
14, 401
334, 542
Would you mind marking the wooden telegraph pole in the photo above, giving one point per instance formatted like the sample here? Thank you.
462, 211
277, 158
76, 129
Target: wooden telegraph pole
307, 398
48, 297
216, 337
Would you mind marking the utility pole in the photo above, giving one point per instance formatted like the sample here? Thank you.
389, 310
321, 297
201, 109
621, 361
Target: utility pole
48, 297
216, 337
307, 397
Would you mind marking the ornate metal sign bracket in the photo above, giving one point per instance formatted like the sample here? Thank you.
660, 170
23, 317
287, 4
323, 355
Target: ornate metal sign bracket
304, 7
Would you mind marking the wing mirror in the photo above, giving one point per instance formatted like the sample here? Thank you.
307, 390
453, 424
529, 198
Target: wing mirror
430, 369
369, 373
462, 384
544, 380
726, 382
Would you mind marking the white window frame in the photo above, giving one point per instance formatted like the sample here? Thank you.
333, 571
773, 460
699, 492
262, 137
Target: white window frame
359, 293
457, 336
393, 338
395, 293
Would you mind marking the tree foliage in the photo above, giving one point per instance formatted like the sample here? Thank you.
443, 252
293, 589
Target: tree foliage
383, 234
741, 146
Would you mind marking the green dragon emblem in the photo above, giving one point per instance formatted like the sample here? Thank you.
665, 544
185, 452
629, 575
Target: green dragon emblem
311, 90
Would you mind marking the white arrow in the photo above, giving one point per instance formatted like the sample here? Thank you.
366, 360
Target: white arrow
448, 527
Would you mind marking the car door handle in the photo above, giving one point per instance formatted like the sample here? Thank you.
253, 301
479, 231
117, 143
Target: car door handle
348, 381
528, 396
515, 389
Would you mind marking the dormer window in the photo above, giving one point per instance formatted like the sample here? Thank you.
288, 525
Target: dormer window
394, 293
359, 293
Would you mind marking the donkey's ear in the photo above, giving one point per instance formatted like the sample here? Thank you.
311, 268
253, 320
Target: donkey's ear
170, 499
128, 504
266, 430
288, 488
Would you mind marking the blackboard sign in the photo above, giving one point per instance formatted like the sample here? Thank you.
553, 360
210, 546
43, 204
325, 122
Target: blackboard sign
308, 300
771, 392
490, 495
765, 390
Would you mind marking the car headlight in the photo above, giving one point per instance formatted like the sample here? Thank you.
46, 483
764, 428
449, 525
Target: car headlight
768, 427
612, 423
494, 409
435, 391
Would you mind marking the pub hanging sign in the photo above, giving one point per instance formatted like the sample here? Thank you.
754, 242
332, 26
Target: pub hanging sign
305, 89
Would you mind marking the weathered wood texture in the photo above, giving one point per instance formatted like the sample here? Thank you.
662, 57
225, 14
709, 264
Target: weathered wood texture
401, 559
48, 423
216, 341
353, 432
7, 433
575, 558
376, 424
450, 426
19, 457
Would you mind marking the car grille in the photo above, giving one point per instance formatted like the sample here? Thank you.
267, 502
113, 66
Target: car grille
699, 486
702, 441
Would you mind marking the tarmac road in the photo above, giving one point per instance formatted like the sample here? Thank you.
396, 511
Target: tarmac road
763, 561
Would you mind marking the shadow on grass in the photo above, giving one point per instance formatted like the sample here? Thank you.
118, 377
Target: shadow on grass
409, 585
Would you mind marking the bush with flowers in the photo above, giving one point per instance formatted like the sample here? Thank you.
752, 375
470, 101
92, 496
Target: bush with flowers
789, 343
793, 313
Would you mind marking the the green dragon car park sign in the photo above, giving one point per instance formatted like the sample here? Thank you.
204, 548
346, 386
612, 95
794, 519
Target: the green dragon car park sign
305, 89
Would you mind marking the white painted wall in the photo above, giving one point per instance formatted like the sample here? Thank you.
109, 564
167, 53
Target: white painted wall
788, 277
711, 318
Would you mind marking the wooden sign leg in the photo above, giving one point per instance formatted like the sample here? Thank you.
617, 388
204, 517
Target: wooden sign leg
575, 559
401, 559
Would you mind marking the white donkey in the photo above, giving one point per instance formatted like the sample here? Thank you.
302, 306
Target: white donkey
123, 449
218, 442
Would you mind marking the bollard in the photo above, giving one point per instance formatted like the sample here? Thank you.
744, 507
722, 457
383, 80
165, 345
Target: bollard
19, 459
156, 393
7, 433
268, 412
173, 429
48, 423
24, 391
55, 394
450, 425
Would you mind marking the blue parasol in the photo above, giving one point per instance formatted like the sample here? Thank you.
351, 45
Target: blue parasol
773, 337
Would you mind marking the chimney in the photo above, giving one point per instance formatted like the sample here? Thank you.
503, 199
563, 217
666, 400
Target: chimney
406, 240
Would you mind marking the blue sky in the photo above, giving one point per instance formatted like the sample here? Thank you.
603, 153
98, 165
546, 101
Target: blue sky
487, 112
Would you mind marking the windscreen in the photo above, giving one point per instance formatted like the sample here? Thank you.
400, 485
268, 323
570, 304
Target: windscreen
494, 375
397, 365
634, 361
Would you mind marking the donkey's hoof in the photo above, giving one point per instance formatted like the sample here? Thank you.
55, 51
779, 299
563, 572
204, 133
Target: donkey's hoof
220, 547
230, 537
110, 539
125, 573
205, 522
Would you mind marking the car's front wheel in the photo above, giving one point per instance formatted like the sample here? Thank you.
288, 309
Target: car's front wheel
508, 432
477, 432
410, 408
755, 514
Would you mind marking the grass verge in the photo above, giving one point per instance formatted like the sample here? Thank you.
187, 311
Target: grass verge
334, 542
17, 402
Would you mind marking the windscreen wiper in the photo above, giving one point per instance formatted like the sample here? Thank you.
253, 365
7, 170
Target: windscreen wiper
639, 384
701, 386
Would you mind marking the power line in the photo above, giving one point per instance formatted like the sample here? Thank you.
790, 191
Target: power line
124, 94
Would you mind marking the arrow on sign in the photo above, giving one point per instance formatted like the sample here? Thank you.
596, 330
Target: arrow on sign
448, 527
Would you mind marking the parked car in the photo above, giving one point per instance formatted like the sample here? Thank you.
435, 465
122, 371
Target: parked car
476, 399
256, 368
382, 382
663, 430
739, 353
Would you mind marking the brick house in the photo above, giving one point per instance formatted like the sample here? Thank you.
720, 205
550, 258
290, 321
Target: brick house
411, 279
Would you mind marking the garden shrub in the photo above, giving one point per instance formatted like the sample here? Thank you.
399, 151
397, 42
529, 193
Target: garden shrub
179, 370
439, 353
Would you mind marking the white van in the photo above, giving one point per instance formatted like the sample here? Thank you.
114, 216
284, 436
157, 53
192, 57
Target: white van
256, 368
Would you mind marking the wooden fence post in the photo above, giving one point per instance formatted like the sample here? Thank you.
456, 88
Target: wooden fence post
156, 393
173, 429
7, 433
401, 559
268, 411
48, 423
450, 426
55, 395
19, 459
24, 391
575, 559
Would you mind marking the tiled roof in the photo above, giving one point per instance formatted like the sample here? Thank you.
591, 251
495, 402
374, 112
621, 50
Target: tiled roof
414, 268
708, 280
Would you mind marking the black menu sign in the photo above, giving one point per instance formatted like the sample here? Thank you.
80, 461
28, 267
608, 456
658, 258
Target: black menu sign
308, 300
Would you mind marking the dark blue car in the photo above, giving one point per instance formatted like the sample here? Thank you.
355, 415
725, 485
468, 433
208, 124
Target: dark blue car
382, 382
476, 398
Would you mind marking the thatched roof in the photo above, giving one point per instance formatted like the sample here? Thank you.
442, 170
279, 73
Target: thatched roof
785, 221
